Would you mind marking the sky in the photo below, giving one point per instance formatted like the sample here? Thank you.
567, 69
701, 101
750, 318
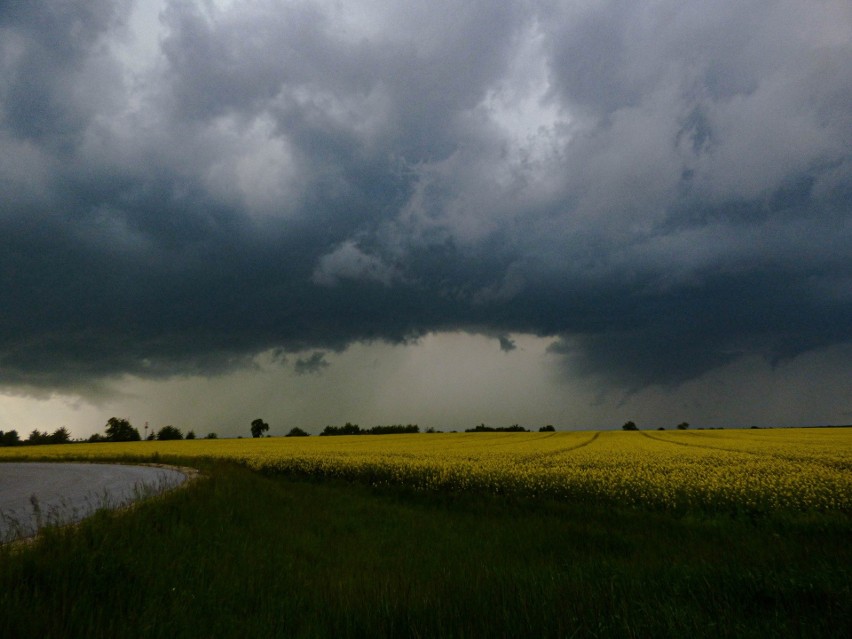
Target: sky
575, 212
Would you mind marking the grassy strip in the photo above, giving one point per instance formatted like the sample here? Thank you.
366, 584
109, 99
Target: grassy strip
243, 554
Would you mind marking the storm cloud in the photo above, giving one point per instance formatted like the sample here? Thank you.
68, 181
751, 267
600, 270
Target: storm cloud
662, 188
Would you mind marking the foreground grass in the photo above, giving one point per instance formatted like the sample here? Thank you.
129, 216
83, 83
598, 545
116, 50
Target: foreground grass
243, 554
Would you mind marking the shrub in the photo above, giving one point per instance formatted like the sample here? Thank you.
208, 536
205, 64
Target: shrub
169, 432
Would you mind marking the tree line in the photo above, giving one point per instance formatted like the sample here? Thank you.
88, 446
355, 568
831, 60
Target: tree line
116, 430
354, 429
632, 426
514, 428
121, 430
36, 437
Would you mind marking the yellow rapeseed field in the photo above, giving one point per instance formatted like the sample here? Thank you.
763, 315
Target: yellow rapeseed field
726, 470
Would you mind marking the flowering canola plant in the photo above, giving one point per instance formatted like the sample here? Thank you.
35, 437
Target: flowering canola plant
725, 470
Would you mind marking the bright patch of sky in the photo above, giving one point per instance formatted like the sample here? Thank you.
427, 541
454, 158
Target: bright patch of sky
522, 105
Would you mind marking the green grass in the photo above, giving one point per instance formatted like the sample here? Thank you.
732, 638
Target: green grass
248, 555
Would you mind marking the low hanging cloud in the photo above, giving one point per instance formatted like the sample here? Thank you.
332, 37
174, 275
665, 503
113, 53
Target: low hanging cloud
662, 188
314, 363
507, 344
348, 262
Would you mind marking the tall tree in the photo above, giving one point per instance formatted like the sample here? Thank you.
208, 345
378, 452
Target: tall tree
258, 427
120, 430
60, 436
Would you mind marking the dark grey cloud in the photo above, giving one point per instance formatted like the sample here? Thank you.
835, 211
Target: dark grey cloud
49, 51
507, 344
315, 363
663, 188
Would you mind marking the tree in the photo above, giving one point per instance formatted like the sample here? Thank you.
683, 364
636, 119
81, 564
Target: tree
169, 432
683, 426
60, 436
120, 430
296, 432
37, 437
547, 429
9, 438
258, 427
630, 426
211, 436
190, 434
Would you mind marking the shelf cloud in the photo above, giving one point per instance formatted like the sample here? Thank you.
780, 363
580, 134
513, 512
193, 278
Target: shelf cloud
661, 188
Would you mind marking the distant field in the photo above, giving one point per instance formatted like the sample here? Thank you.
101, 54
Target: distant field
714, 471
